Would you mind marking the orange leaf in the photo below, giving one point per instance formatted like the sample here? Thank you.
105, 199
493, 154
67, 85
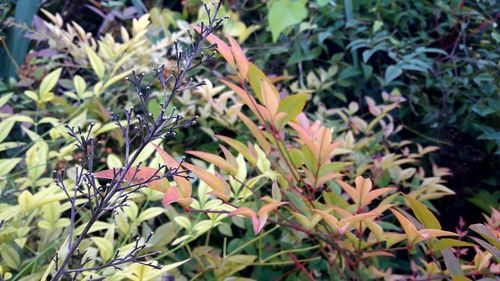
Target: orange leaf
216, 160
240, 147
346, 222
229, 156
377, 254
256, 132
270, 98
167, 159
136, 176
184, 184
329, 176
159, 185
433, 233
221, 188
353, 193
408, 227
173, 195
245, 97
332, 221
257, 222
239, 56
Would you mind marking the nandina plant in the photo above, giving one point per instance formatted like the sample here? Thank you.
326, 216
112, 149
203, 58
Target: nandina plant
140, 127
287, 176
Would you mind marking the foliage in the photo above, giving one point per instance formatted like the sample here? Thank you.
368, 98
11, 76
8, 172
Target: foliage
287, 170
313, 172
38, 211
442, 57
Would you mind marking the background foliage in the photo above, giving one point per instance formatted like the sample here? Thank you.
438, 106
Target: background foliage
409, 89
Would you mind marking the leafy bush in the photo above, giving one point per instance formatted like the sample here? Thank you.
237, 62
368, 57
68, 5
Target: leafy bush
52, 227
442, 57
311, 176
287, 170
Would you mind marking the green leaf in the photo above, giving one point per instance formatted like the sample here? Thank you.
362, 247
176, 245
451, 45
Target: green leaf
452, 263
183, 222
225, 229
322, 3
95, 62
424, 215
293, 105
49, 82
25, 200
276, 192
255, 75
285, 13
52, 212
487, 234
105, 247
150, 213
5, 99
450, 242
113, 161
377, 25
145, 153
10, 256
97, 226
5, 127
391, 73
6, 165
80, 85
36, 159
154, 274
32, 95
202, 226
492, 249
114, 79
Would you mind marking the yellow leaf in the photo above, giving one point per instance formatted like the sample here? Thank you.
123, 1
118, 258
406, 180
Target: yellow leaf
221, 188
49, 82
115, 79
408, 227
256, 132
270, 99
95, 62
424, 215
216, 160
240, 147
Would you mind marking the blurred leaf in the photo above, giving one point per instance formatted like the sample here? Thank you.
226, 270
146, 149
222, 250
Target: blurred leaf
449, 242
452, 263
105, 247
10, 256
150, 213
392, 72
49, 82
285, 13
95, 62
423, 214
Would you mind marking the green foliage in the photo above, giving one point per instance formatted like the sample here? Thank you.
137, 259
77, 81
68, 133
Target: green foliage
285, 13
34, 211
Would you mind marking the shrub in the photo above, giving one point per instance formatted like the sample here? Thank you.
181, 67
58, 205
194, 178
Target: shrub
290, 187
441, 56
285, 176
